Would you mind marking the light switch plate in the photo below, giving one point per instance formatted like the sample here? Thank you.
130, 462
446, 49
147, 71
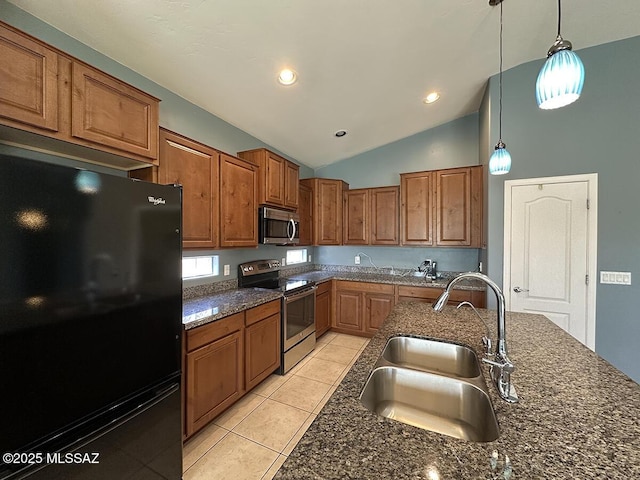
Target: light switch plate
615, 278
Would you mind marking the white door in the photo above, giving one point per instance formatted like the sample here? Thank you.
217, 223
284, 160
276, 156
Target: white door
550, 251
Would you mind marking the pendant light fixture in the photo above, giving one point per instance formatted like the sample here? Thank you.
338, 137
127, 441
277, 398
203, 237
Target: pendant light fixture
561, 78
500, 161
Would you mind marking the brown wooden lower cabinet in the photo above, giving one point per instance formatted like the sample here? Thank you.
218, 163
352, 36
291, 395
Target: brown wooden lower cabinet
323, 308
226, 358
214, 378
431, 294
262, 342
361, 307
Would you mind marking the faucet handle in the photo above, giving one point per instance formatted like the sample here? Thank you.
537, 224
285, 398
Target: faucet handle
486, 342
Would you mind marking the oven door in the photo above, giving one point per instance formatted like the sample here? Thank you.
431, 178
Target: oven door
278, 227
298, 317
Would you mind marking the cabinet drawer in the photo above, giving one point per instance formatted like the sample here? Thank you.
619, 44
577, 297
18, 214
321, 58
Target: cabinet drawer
213, 331
364, 287
419, 292
261, 312
323, 288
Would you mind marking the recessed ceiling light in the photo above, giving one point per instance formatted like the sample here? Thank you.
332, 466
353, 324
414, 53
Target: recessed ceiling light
340, 133
287, 77
432, 97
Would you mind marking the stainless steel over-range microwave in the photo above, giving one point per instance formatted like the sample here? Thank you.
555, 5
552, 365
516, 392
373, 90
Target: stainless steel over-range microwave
278, 227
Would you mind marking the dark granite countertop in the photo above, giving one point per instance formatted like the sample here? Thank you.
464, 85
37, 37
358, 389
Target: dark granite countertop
202, 310
324, 275
577, 416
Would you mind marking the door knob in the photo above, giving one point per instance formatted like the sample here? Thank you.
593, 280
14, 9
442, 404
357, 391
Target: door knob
518, 289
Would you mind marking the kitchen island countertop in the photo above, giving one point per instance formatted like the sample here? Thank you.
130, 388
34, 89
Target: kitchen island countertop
577, 416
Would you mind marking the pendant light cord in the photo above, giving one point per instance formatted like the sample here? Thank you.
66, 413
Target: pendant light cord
500, 116
559, 15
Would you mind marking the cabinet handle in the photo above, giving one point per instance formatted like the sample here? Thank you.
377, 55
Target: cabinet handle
519, 290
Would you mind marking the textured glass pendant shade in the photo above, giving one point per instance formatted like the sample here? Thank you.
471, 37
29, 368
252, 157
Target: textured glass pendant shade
560, 80
500, 161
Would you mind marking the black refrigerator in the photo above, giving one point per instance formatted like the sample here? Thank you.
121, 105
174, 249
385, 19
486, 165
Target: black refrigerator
90, 325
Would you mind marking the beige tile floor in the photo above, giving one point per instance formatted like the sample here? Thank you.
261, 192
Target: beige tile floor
252, 439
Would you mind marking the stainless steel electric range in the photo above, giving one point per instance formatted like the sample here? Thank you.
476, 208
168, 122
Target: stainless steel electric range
298, 308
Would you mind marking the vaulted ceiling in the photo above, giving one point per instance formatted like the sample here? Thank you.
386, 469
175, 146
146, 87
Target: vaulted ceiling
363, 65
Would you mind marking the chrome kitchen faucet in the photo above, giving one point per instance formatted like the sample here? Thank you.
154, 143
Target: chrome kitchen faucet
501, 366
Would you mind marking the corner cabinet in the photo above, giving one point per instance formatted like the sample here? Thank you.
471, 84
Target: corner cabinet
277, 178
73, 107
326, 209
442, 207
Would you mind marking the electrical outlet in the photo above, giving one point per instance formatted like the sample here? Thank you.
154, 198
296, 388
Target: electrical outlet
283, 262
615, 278
309, 258
226, 270
357, 259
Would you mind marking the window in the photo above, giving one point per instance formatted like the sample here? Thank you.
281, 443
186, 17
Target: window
205, 266
296, 256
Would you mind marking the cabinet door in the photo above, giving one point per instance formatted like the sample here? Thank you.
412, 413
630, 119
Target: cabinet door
328, 212
109, 112
323, 312
274, 179
238, 203
385, 215
305, 210
291, 180
28, 81
378, 308
214, 380
453, 207
262, 346
416, 191
349, 312
355, 226
195, 167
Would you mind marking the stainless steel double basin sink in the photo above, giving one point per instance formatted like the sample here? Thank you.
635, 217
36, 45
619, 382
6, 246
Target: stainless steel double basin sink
434, 385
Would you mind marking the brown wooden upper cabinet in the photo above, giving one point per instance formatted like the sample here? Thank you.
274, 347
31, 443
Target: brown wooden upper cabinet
238, 203
326, 209
28, 82
111, 113
371, 216
44, 91
442, 207
277, 178
219, 207
305, 210
195, 167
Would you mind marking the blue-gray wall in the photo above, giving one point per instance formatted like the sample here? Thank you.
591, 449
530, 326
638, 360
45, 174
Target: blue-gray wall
454, 144
600, 133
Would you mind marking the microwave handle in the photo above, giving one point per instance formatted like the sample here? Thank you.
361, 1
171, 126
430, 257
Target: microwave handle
293, 225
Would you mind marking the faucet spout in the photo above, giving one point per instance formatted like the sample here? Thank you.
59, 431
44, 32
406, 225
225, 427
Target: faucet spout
501, 366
